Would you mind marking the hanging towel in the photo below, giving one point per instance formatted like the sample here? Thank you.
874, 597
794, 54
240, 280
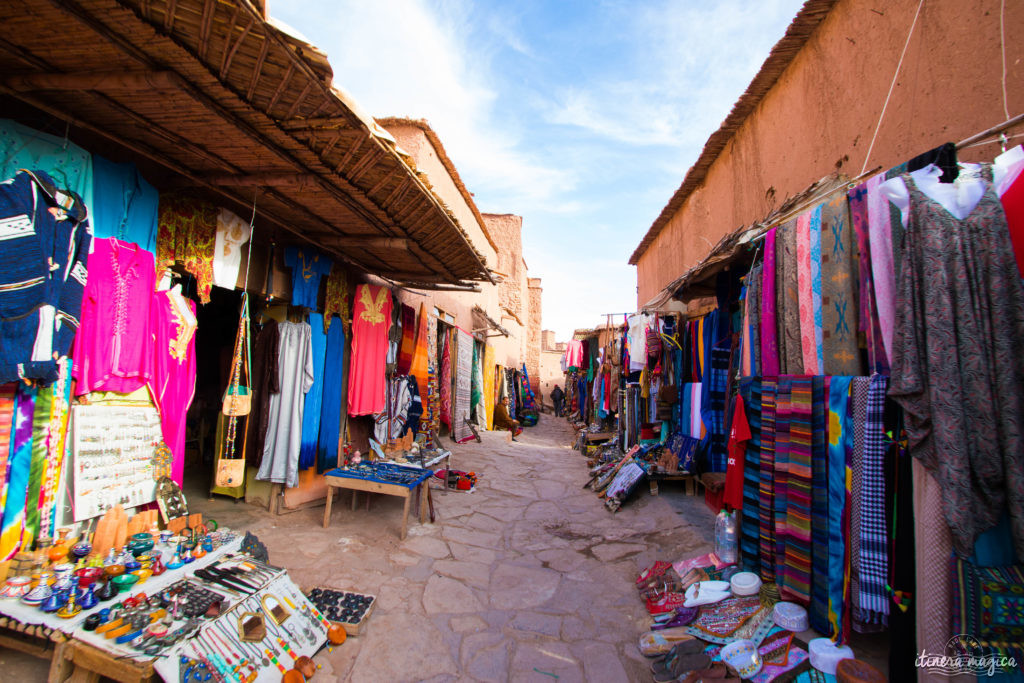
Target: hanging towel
445, 388
783, 448
40, 430
818, 611
421, 353
463, 387
819, 349
750, 389
796, 582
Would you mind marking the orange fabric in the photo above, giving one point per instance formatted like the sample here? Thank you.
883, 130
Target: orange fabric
419, 356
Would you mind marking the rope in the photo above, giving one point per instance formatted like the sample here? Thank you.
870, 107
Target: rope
892, 86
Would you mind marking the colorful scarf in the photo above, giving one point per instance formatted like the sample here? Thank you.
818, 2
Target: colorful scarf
840, 445
883, 269
790, 325
805, 287
529, 400
7, 397
795, 534
750, 389
819, 349
58, 448
421, 354
37, 467
446, 381
839, 296
766, 489
713, 410
818, 611
783, 418
18, 466
873, 535
488, 377
408, 346
868, 313
769, 341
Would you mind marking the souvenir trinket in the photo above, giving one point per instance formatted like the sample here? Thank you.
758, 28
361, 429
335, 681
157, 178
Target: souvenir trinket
16, 587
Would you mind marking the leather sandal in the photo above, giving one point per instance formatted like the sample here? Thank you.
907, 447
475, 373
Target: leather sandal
717, 672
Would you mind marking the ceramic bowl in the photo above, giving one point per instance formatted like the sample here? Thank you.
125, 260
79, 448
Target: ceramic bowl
140, 546
790, 616
745, 583
742, 655
16, 587
88, 575
143, 574
112, 570
124, 582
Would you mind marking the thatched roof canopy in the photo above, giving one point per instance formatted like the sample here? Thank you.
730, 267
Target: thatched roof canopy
207, 94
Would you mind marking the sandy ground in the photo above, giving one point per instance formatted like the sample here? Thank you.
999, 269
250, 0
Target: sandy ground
528, 578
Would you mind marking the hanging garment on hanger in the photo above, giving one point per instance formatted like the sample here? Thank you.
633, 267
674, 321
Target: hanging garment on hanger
371, 321
174, 370
187, 232
336, 297
232, 234
113, 349
280, 463
266, 381
125, 205
957, 368
70, 166
314, 397
308, 266
44, 247
330, 412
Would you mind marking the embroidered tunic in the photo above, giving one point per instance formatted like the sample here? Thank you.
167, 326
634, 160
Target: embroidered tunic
174, 370
370, 324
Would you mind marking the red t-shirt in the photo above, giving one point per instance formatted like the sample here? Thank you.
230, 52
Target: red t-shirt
738, 438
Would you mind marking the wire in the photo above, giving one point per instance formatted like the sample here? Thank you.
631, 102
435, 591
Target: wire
892, 86
1002, 47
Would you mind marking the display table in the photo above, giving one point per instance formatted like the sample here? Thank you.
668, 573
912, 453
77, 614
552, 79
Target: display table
385, 478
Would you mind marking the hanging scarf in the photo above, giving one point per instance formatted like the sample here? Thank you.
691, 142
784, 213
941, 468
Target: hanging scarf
769, 340
18, 467
840, 444
767, 482
488, 377
873, 535
40, 431
407, 348
446, 382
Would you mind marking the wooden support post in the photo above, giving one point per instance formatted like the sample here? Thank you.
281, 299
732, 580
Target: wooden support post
106, 81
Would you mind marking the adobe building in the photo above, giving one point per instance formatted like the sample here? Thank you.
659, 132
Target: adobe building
813, 108
551, 353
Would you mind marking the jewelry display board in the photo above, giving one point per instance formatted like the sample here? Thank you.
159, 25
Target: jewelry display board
113, 457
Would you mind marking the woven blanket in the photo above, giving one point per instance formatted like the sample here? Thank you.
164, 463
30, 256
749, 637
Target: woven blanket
766, 488
783, 418
489, 370
463, 387
791, 359
769, 330
795, 578
445, 387
838, 293
749, 528
840, 446
868, 312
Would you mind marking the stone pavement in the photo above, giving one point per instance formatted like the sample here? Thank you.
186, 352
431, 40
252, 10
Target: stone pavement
528, 578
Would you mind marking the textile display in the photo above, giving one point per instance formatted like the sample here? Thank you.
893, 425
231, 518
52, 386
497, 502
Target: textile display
987, 604
872, 534
280, 462
840, 445
40, 432
748, 362
818, 611
307, 265
124, 205
859, 387
766, 488
56, 436
113, 349
22, 147
415, 413
187, 232
390, 423
783, 446
463, 387
713, 409
883, 273
18, 466
750, 390
232, 233
265, 381
839, 294
173, 385
314, 397
529, 401
336, 297
808, 235
957, 369
795, 580
488, 378
788, 318
331, 407
421, 352
407, 347
574, 354
868, 311
371, 320
433, 407
933, 548
445, 378
46, 243
8, 393
476, 396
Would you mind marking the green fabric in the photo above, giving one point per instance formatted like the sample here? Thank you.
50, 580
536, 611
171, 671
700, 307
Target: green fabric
476, 392
40, 427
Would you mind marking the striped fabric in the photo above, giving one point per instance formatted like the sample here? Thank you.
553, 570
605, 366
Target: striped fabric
818, 612
795, 583
463, 387
783, 417
750, 544
766, 488
840, 444
714, 415
873, 536
18, 467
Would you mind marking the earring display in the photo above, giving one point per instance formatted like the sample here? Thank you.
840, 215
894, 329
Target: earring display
116, 454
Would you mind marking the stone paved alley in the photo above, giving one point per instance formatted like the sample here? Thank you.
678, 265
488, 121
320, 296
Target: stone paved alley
527, 577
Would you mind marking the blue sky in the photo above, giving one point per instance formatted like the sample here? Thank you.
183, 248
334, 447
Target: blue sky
580, 116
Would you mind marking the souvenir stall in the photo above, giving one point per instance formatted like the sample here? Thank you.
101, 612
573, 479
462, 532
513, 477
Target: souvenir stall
860, 493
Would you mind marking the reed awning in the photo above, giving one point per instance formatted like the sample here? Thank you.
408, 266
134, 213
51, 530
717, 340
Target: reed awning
210, 96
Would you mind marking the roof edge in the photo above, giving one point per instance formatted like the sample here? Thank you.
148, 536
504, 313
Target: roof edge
799, 32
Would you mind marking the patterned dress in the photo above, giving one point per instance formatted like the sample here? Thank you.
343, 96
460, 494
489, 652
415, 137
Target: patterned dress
957, 368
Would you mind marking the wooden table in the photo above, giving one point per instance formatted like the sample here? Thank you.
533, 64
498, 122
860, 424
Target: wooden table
336, 479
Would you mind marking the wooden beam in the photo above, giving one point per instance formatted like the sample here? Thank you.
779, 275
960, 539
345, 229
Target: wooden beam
319, 123
258, 179
107, 81
438, 287
382, 243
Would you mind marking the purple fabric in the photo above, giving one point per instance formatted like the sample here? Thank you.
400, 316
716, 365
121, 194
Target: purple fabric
769, 341
868, 321
883, 270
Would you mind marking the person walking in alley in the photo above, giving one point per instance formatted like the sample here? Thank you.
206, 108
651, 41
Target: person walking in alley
557, 397
502, 420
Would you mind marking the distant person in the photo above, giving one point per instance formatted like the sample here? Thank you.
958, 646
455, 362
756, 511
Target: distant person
502, 420
558, 398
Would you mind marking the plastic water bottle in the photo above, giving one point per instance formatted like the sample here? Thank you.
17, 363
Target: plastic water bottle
725, 536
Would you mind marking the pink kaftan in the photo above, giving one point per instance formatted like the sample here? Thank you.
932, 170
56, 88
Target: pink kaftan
112, 349
174, 370
371, 321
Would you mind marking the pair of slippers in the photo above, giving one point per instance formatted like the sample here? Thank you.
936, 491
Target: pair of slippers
687, 662
716, 672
